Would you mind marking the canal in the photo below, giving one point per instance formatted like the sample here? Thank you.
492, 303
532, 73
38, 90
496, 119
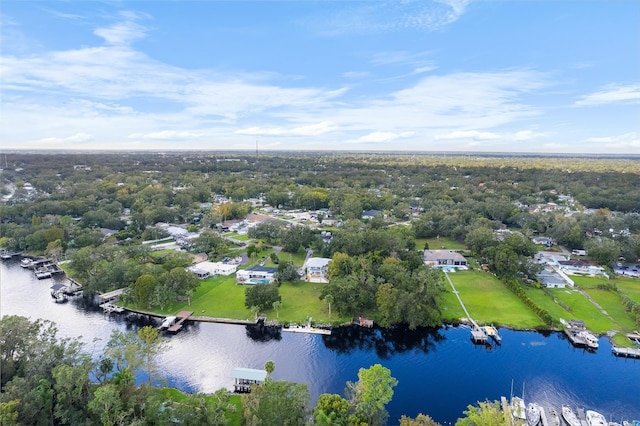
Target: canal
440, 371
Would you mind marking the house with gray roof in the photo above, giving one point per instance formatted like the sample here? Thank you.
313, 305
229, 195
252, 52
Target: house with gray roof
445, 259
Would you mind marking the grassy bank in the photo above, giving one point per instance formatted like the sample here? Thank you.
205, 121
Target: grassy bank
221, 297
487, 300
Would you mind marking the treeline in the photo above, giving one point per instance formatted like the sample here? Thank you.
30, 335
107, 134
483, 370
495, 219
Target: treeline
77, 194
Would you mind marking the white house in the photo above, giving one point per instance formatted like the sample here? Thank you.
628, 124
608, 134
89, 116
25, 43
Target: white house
316, 269
256, 275
214, 268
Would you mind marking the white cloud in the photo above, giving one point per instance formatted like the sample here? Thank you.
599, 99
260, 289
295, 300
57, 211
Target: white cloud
125, 32
468, 134
167, 135
612, 94
380, 137
525, 135
309, 130
53, 142
522, 135
624, 141
368, 17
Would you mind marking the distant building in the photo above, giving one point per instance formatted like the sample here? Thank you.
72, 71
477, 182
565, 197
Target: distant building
552, 278
444, 258
370, 214
627, 270
543, 241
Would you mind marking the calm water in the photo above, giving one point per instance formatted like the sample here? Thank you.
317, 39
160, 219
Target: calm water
440, 372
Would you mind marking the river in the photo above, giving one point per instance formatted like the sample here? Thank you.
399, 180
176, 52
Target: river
440, 371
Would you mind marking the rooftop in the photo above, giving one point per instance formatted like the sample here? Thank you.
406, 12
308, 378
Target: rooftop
249, 374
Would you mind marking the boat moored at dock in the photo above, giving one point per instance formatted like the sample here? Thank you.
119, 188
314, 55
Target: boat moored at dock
167, 322
533, 414
569, 416
595, 419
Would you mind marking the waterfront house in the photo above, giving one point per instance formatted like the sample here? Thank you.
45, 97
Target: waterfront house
582, 267
316, 269
214, 268
256, 275
444, 259
553, 278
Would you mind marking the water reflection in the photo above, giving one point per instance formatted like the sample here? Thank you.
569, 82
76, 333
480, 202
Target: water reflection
263, 334
386, 342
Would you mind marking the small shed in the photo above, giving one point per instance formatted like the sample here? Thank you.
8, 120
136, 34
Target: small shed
245, 377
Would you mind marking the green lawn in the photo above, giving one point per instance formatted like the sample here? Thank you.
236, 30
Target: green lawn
437, 243
487, 300
630, 287
236, 236
160, 253
588, 282
609, 300
221, 297
583, 309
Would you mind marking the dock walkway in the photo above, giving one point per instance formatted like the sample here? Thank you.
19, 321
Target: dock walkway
478, 334
181, 317
625, 352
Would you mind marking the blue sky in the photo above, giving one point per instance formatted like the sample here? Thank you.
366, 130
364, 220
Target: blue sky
446, 75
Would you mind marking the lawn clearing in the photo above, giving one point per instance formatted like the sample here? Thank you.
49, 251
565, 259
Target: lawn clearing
237, 237
611, 303
438, 243
221, 297
161, 253
487, 300
630, 287
584, 310
589, 282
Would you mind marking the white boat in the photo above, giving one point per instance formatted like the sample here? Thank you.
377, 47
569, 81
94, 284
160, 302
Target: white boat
307, 329
26, 263
569, 416
552, 416
595, 419
518, 409
533, 414
167, 322
592, 341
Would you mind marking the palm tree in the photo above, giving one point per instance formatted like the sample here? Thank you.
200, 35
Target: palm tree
269, 366
329, 299
255, 310
277, 305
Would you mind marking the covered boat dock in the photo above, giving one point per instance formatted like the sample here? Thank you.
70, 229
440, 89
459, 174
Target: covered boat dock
245, 377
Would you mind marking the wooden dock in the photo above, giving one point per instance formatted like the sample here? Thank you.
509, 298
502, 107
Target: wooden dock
626, 352
181, 317
6, 255
109, 308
